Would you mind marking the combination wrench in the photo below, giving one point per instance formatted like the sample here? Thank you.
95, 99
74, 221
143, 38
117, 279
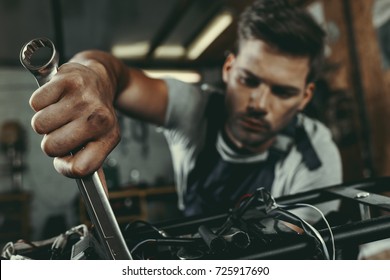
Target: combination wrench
90, 187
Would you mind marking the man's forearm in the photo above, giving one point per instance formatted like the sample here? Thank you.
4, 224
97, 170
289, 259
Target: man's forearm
111, 70
129, 90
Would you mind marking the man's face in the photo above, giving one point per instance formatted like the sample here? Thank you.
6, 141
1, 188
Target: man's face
265, 90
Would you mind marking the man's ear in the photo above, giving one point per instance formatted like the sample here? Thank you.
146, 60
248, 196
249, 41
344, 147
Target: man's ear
227, 66
307, 96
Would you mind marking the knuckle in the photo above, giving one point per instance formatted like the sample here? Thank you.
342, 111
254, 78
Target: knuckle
72, 83
36, 100
33, 103
77, 80
101, 117
48, 146
71, 77
37, 125
63, 166
80, 170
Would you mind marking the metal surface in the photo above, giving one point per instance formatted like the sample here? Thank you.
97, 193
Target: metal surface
42, 73
90, 187
363, 198
365, 193
350, 234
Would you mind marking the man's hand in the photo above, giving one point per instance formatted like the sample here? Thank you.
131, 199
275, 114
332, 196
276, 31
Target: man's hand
75, 113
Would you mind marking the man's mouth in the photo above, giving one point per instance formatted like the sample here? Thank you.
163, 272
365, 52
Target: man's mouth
254, 124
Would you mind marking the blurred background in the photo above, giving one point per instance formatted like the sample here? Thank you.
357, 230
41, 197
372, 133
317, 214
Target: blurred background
186, 39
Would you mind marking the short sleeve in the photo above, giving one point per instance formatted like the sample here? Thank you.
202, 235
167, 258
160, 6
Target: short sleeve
185, 111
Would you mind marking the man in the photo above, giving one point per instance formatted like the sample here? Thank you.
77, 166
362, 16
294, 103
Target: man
223, 146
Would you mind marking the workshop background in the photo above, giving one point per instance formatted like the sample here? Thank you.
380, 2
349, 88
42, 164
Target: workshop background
352, 96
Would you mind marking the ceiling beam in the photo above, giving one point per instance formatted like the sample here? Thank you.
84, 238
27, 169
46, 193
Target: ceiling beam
58, 28
172, 21
214, 8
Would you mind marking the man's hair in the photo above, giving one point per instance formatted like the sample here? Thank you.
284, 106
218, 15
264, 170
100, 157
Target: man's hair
291, 30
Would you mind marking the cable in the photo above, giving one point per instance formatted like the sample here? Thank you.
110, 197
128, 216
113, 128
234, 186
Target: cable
327, 224
319, 237
274, 209
167, 241
236, 213
141, 243
314, 230
159, 231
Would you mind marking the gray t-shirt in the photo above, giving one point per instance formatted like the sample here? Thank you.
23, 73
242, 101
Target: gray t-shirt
185, 131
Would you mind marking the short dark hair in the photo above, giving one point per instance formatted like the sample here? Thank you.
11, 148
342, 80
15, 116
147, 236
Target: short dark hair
292, 30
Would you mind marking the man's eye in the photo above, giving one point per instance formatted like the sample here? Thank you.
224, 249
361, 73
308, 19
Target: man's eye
249, 82
282, 93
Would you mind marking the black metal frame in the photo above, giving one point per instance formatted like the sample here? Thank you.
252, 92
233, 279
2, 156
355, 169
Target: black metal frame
365, 193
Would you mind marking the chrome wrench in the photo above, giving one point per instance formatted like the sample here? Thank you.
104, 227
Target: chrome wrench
90, 187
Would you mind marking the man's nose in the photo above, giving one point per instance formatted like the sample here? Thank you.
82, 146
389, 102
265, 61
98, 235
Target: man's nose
260, 97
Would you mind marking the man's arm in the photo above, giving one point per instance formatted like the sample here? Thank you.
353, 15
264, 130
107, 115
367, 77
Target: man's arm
76, 109
135, 94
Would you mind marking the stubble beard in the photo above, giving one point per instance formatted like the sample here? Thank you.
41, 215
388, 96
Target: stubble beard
245, 139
